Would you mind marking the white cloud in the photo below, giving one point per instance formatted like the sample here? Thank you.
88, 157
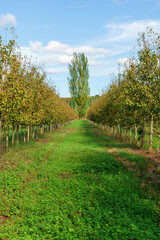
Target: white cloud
57, 54
129, 30
32, 57
60, 48
49, 60
92, 62
36, 46
64, 59
55, 59
122, 61
52, 47
52, 70
7, 19
57, 47
93, 51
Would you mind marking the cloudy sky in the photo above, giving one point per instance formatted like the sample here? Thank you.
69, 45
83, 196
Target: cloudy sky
105, 30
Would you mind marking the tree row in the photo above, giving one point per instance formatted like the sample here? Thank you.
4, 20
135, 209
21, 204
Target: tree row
131, 103
25, 97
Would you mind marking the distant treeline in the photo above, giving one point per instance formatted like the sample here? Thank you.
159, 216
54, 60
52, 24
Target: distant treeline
70, 101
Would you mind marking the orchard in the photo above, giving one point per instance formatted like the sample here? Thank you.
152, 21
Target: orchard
27, 102
132, 101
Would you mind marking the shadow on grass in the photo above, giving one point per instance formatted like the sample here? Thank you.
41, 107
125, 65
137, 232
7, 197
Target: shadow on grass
109, 141
117, 202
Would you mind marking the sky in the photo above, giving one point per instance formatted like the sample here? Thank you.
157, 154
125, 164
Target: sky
106, 31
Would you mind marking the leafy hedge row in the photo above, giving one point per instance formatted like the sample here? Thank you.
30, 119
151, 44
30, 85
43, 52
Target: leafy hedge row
133, 99
25, 97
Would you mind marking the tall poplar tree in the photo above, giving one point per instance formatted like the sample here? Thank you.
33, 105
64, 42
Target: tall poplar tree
78, 82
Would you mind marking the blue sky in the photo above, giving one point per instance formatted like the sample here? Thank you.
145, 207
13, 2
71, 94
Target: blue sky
105, 30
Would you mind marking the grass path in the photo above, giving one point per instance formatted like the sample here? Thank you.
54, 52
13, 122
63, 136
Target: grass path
77, 184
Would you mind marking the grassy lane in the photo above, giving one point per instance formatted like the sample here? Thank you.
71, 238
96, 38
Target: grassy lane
77, 184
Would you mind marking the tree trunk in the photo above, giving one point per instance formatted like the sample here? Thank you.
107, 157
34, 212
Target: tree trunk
117, 131
143, 132
17, 137
135, 132
7, 139
24, 136
33, 132
41, 130
113, 130
120, 131
130, 133
28, 133
13, 131
150, 134
37, 132
126, 133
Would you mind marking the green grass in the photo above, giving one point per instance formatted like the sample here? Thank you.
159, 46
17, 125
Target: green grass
70, 185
